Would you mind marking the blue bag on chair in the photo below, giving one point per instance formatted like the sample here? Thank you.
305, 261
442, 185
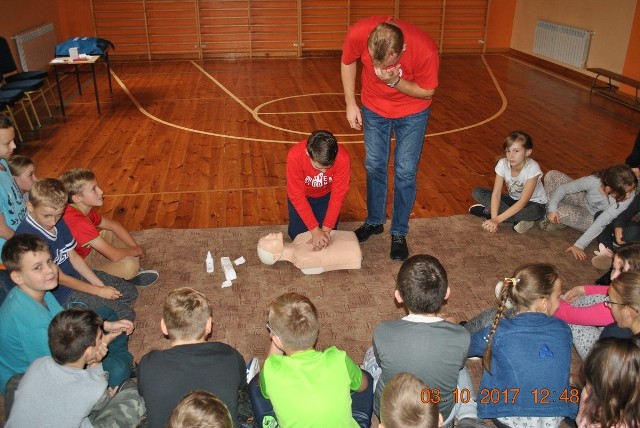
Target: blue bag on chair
85, 45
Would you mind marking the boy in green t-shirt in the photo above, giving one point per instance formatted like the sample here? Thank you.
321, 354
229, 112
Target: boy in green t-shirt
304, 387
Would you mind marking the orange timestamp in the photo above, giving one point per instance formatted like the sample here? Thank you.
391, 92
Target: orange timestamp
506, 395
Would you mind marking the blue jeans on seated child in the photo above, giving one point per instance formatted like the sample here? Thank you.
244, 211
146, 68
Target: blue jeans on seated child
319, 207
361, 404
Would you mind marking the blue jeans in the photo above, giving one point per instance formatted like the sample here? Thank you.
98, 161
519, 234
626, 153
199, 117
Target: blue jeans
361, 403
319, 207
409, 132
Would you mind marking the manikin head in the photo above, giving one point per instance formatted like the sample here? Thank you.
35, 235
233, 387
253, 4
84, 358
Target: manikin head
270, 248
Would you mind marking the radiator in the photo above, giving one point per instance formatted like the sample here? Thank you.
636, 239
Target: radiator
36, 47
561, 43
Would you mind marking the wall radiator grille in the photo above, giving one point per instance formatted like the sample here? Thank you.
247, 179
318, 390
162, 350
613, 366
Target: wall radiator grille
36, 47
561, 43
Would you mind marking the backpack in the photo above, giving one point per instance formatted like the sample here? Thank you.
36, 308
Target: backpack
85, 45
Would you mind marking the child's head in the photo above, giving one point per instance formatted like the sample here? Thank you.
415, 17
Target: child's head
186, 315
7, 137
28, 261
626, 259
401, 404
322, 148
82, 187
533, 288
619, 181
422, 284
47, 202
200, 409
74, 332
624, 300
294, 319
23, 170
517, 137
612, 375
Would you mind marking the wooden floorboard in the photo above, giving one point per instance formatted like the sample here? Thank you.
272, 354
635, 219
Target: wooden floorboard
203, 144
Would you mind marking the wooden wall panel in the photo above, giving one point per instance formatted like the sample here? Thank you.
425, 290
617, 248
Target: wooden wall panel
251, 28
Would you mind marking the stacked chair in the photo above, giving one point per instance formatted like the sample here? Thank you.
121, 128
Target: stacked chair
18, 87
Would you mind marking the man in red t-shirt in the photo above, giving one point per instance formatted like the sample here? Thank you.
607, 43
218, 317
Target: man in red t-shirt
318, 174
399, 76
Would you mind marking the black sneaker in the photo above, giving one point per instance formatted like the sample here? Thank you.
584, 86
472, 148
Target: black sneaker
366, 230
479, 210
145, 278
399, 249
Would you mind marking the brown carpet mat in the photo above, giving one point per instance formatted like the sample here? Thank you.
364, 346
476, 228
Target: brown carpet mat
350, 303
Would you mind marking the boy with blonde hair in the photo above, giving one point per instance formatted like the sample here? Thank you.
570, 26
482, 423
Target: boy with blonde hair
403, 404
301, 386
77, 282
69, 387
115, 251
191, 363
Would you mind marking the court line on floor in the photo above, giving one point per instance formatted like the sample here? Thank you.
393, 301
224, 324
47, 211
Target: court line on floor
255, 113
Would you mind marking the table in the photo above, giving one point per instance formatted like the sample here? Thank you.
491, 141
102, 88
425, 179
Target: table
90, 60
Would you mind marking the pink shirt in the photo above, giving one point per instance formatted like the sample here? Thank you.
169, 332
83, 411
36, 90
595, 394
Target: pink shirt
597, 315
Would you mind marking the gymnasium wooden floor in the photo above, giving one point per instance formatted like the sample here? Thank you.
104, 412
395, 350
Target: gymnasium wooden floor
186, 144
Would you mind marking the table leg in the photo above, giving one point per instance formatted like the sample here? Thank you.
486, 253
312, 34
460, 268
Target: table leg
78, 79
55, 71
108, 62
95, 86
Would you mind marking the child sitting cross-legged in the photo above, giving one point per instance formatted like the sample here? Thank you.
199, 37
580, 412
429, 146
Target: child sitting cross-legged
191, 363
527, 357
424, 343
77, 281
103, 242
69, 388
29, 308
300, 386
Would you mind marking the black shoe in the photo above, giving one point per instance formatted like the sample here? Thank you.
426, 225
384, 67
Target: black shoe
399, 249
366, 230
479, 210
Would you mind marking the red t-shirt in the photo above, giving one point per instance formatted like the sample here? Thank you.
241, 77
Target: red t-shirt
304, 181
84, 228
419, 63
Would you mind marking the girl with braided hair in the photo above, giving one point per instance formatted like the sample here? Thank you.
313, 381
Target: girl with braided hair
526, 357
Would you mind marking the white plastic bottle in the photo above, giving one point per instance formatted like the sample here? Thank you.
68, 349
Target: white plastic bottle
209, 262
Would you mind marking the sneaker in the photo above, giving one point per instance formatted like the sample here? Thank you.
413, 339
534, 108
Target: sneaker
523, 226
508, 304
399, 249
602, 261
253, 368
547, 226
366, 230
145, 278
479, 210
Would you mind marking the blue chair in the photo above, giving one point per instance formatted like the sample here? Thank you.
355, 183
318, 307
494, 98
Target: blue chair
8, 101
9, 70
29, 87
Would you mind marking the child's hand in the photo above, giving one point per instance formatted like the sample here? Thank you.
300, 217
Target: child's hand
618, 235
98, 353
577, 252
118, 327
574, 293
107, 292
140, 252
553, 217
490, 226
319, 239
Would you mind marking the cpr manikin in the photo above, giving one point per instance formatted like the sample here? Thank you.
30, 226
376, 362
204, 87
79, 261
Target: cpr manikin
343, 253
